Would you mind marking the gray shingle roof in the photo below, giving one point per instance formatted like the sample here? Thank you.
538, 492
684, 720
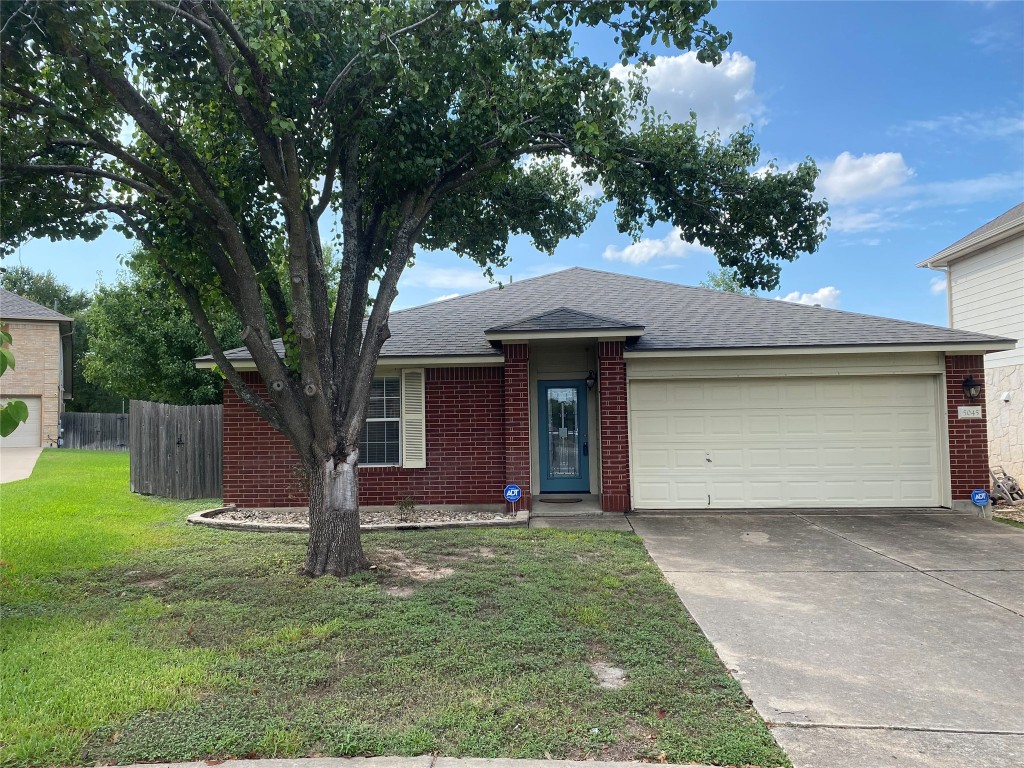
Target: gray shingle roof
675, 317
15, 307
564, 319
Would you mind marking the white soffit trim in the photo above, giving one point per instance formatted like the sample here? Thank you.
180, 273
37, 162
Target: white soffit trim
602, 334
424, 361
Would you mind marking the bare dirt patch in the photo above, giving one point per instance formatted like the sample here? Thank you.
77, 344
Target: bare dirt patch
396, 563
608, 676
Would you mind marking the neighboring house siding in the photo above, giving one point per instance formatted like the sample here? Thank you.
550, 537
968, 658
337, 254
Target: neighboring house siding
987, 295
37, 372
465, 449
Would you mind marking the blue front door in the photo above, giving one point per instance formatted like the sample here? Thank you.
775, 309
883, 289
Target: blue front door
562, 430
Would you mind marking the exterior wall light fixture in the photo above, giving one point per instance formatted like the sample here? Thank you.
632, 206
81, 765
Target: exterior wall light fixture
971, 388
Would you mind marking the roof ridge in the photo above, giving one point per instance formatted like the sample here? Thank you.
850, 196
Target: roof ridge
498, 287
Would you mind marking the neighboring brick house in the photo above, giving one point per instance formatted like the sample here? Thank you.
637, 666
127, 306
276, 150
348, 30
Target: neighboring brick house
41, 343
646, 395
985, 293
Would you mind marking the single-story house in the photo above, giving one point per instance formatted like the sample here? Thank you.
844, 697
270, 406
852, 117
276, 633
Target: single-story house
41, 377
648, 395
985, 293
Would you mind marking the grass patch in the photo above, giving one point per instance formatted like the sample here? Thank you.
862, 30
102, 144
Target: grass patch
1008, 521
155, 641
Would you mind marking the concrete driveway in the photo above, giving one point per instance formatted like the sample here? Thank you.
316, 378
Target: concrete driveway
869, 639
17, 463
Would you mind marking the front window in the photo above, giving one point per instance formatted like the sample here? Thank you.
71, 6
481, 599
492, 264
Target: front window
380, 441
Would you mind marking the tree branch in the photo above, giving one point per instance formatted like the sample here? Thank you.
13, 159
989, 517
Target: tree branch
82, 170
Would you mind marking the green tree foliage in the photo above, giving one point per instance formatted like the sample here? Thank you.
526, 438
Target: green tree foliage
142, 340
726, 279
44, 288
392, 125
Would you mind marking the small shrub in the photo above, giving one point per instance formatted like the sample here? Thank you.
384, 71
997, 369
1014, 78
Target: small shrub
405, 509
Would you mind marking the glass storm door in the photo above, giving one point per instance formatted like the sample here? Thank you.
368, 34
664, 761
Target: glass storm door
564, 450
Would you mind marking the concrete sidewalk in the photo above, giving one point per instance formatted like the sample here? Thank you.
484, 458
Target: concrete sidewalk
424, 761
17, 463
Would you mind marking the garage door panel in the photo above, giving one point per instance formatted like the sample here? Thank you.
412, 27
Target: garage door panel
647, 426
785, 442
764, 458
29, 434
655, 458
919, 457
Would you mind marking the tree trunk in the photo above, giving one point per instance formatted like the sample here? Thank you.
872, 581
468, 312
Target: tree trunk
334, 545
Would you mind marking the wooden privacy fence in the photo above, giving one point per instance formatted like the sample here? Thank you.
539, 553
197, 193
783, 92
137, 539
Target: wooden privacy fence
96, 431
176, 450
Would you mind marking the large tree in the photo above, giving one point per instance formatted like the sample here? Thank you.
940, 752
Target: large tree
222, 133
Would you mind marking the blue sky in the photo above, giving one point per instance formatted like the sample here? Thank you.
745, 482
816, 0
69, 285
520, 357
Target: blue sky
914, 112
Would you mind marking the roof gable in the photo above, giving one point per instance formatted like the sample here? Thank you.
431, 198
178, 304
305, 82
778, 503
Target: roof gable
1000, 228
565, 319
15, 307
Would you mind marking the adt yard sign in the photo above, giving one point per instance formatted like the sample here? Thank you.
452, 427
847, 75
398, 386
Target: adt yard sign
979, 497
513, 493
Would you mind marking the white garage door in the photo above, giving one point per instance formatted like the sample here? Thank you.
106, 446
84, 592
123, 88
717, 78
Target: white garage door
29, 434
853, 441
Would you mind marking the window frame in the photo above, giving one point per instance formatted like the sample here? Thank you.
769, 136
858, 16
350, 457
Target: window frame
397, 378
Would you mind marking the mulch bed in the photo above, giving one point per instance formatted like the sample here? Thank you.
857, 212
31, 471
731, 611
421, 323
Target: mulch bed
298, 516
1010, 511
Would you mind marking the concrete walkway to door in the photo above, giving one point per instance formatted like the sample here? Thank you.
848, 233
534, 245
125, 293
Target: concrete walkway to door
17, 463
869, 639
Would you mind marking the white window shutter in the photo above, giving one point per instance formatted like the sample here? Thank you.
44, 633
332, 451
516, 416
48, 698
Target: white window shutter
414, 419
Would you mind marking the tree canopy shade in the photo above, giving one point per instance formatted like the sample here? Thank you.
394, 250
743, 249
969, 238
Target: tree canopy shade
234, 137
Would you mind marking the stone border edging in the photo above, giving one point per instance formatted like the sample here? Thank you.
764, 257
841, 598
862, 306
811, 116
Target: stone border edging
208, 517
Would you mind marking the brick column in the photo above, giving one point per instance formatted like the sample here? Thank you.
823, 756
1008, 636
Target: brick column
517, 419
968, 438
611, 379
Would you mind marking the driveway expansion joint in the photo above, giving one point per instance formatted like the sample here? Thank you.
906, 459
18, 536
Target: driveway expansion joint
881, 727
929, 574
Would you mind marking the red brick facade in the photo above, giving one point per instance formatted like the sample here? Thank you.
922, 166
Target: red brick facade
968, 438
518, 419
614, 419
465, 449
478, 435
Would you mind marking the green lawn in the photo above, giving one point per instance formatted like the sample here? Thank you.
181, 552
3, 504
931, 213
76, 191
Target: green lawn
128, 636
1008, 521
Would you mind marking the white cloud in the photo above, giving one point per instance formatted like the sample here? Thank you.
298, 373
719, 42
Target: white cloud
848, 220
445, 297
965, 191
425, 276
973, 125
938, 285
853, 178
826, 297
642, 251
723, 97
